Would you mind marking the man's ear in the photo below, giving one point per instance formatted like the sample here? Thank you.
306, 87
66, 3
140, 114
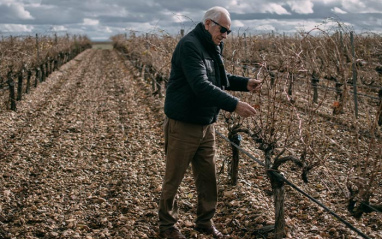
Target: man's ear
207, 24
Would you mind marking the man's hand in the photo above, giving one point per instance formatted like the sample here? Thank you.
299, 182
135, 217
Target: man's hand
244, 109
254, 85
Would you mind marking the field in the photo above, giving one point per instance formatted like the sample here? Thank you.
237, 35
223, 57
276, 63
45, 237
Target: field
102, 45
82, 156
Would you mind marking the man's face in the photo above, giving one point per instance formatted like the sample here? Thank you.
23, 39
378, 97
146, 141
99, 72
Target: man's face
214, 29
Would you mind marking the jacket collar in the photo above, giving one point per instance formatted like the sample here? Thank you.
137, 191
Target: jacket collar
206, 40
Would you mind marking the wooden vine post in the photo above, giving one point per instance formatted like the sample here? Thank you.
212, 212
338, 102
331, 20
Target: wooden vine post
291, 79
20, 86
48, 66
37, 72
28, 86
11, 85
314, 81
235, 138
43, 76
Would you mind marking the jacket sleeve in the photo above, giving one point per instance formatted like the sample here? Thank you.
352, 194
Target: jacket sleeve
195, 72
237, 83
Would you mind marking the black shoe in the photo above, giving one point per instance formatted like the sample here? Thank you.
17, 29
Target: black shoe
172, 233
211, 230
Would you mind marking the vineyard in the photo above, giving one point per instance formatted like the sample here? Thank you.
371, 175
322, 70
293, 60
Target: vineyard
26, 61
82, 151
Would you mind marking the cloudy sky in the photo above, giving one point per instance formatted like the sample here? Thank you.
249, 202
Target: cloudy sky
100, 19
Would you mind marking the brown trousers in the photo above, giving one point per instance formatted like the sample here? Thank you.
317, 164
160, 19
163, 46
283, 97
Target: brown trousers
184, 144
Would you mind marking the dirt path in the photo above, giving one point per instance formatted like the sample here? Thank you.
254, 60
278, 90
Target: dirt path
74, 152
82, 158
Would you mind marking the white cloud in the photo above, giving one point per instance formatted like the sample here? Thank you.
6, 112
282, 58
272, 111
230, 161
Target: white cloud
16, 10
98, 18
353, 5
245, 7
338, 10
180, 17
16, 28
358, 6
59, 29
237, 23
266, 27
305, 25
239, 7
275, 8
108, 30
301, 7
327, 1
5, 2
90, 22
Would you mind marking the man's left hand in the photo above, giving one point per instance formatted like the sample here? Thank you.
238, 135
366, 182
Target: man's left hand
254, 85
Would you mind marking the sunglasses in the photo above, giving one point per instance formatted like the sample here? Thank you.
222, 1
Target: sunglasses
222, 29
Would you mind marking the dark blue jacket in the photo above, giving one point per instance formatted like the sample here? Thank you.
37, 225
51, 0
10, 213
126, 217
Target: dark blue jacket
195, 92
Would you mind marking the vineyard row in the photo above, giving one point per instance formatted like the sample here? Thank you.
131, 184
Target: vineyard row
29, 59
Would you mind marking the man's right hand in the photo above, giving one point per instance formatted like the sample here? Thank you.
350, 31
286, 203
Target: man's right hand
244, 109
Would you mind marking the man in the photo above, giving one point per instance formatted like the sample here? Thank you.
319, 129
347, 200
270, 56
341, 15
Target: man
194, 96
